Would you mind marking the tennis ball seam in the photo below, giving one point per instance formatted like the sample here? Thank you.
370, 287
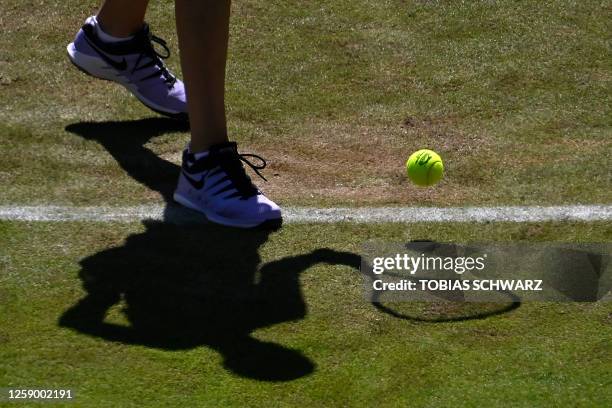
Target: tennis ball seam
429, 170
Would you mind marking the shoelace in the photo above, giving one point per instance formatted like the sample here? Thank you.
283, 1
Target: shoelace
255, 168
151, 52
236, 172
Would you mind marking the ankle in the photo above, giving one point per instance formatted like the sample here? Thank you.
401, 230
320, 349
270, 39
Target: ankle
197, 146
110, 33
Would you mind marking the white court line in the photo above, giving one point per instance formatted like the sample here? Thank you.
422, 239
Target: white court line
179, 214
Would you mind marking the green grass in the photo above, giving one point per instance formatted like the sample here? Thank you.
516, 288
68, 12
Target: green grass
515, 96
540, 354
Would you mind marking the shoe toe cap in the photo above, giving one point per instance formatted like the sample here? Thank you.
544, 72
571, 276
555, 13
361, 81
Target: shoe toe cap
256, 209
268, 208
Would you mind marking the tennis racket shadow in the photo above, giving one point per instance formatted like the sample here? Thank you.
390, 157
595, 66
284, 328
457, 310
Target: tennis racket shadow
443, 306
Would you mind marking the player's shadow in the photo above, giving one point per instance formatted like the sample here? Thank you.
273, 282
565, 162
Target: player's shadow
125, 141
180, 287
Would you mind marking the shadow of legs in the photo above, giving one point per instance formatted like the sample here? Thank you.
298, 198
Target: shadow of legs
125, 141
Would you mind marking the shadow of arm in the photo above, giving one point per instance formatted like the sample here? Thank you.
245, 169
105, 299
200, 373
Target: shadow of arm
87, 317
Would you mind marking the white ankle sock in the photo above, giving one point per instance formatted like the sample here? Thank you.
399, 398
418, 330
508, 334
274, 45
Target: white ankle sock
197, 155
107, 38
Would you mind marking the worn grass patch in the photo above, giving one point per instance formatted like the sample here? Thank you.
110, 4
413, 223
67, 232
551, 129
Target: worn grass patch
514, 96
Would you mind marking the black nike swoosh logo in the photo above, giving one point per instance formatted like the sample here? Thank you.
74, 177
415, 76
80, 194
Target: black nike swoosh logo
118, 65
197, 184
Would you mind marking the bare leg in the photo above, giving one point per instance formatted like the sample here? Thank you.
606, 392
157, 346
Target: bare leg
203, 31
121, 18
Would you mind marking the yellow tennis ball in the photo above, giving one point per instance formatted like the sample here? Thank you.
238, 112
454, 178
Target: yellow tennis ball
424, 167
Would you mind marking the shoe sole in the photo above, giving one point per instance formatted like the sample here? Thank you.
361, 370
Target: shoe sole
228, 222
73, 54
